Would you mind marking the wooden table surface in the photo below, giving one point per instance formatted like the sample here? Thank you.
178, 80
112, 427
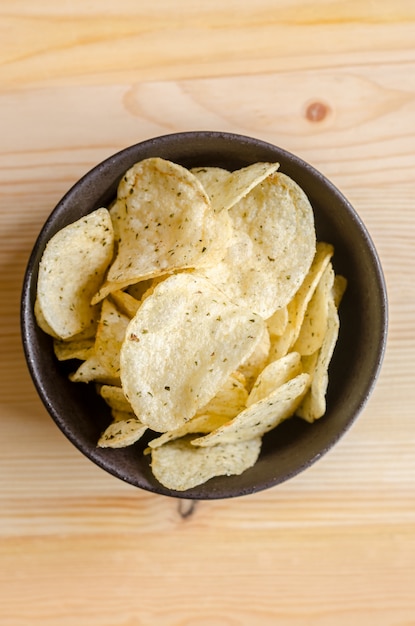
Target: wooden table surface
333, 82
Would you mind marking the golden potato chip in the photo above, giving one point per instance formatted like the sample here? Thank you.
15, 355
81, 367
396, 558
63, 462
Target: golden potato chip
126, 303
277, 323
210, 177
260, 417
122, 432
116, 214
199, 424
182, 345
251, 367
298, 305
93, 370
219, 236
339, 287
225, 191
70, 271
314, 404
230, 398
165, 223
273, 246
274, 375
228, 402
41, 322
119, 415
179, 466
137, 290
110, 335
314, 323
73, 349
115, 398
280, 346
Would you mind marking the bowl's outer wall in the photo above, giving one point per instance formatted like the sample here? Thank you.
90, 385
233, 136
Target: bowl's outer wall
356, 362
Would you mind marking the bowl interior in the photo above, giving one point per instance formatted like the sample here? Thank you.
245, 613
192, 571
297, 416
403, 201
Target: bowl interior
295, 444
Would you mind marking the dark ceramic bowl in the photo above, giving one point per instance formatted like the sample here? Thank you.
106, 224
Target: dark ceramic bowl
295, 444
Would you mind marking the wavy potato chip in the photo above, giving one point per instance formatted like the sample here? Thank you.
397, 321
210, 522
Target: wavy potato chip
201, 424
184, 342
297, 306
137, 290
164, 223
110, 335
228, 402
210, 177
339, 287
314, 323
230, 398
115, 398
124, 431
42, 323
103, 362
253, 365
70, 272
93, 370
226, 190
277, 323
273, 246
126, 303
260, 417
314, 404
80, 349
274, 375
179, 466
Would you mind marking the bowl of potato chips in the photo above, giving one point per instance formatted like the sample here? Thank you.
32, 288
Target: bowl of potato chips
204, 315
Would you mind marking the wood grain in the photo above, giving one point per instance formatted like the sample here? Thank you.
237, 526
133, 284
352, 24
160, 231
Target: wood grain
333, 82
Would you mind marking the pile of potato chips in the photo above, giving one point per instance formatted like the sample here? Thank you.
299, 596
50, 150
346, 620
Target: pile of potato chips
203, 309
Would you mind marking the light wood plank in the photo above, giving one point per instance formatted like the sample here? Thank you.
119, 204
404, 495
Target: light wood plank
333, 82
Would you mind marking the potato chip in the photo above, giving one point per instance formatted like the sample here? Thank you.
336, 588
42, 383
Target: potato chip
230, 398
298, 305
70, 272
184, 342
179, 466
93, 370
137, 290
115, 398
116, 214
41, 322
219, 236
314, 404
252, 366
75, 349
122, 432
165, 223
210, 177
277, 323
314, 323
110, 335
228, 402
225, 191
339, 287
273, 246
260, 417
274, 375
126, 303
200, 424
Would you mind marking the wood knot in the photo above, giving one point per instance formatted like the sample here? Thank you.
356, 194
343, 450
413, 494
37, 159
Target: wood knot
316, 111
